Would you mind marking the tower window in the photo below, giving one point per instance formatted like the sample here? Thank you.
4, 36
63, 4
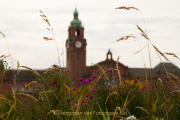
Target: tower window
109, 56
77, 33
78, 56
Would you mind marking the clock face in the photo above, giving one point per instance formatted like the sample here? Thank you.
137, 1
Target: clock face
78, 44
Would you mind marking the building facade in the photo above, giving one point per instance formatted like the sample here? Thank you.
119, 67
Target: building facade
76, 63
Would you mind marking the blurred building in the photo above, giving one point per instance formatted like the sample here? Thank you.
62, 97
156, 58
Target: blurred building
76, 63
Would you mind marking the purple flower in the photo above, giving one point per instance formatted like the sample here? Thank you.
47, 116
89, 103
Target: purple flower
94, 76
80, 79
117, 85
135, 81
110, 70
85, 80
54, 65
54, 82
42, 116
79, 84
82, 101
68, 98
73, 103
74, 76
103, 67
127, 83
24, 101
75, 88
75, 108
86, 105
87, 95
93, 90
40, 100
90, 79
91, 96
55, 85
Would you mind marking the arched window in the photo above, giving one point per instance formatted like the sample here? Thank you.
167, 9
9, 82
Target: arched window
77, 33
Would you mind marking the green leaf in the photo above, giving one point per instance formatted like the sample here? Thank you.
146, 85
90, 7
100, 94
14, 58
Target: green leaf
104, 117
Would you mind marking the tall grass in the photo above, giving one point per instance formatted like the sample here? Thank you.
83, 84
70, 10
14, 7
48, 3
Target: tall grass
58, 95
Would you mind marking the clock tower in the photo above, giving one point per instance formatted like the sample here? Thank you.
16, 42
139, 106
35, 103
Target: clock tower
76, 48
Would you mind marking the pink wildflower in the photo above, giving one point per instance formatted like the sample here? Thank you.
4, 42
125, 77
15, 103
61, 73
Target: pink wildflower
80, 79
85, 80
91, 96
103, 67
127, 83
135, 81
94, 76
87, 95
93, 89
86, 105
82, 101
79, 84
42, 116
75, 88
54, 82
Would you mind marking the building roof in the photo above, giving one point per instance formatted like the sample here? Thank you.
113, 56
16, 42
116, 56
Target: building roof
170, 67
140, 72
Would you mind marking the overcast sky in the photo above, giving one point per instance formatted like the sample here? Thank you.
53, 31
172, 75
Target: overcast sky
24, 29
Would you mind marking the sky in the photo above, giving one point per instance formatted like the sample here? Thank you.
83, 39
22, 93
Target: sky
24, 29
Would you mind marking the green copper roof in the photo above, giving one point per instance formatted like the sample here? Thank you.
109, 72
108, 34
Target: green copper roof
170, 67
75, 22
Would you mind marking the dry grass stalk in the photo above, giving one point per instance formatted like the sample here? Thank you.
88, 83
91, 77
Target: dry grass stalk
20, 117
172, 54
54, 112
124, 38
160, 52
159, 81
175, 91
139, 50
4, 56
113, 93
117, 68
144, 35
126, 8
117, 108
5, 99
2, 34
52, 69
31, 83
101, 70
79, 104
4, 114
139, 28
173, 76
119, 74
168, 111
46, 91
17, 64
11, 109
28, 95
36, 73
143, 109
67, 87
47, 39
44, 18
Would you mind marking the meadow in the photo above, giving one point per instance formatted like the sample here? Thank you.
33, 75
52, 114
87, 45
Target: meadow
57, 95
